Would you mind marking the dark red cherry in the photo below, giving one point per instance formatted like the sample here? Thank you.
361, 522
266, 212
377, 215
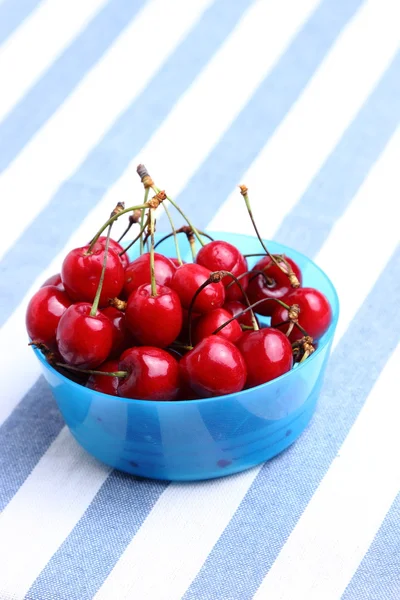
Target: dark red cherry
54, 280
138, 272
222, 256
153, 374
315, 313
235, 307
209, 322
188, 278
122, 337
267, 354
280, 287
84, 341
116, 247
214, 367
44, 312
105, 383
154, 320
81, 272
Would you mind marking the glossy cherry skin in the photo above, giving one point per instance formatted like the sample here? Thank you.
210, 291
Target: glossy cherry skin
81, 272
44, 312
214, 367
104, 383
84, 341
222, 256
138, 272
235, 307
54, 280
188, 278
315, 313
267, 354
153, 374
154, 320
258, 289
122, 337
209, 322
114, 245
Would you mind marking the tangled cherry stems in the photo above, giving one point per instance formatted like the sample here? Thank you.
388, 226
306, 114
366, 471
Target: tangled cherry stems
294, 282
139, 235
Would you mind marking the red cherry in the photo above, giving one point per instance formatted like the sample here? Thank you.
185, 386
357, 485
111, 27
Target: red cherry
154, 320
213, 368
105, 383
222, 256
122, 337
209, 322
81, 272
235, 307
315, 313
153, 374
258, 288
138, 272
188, 278
124, 258
54, 280
84, 341
44, 312
267, 354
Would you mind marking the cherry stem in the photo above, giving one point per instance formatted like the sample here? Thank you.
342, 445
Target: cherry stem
142, 223
111, 221
121, 237
244, 311
139, 235
96, 300
91, 371
236, 280
152, 266
178, 254
294, 282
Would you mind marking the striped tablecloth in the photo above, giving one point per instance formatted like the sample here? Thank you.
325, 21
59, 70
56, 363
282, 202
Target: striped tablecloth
300, 100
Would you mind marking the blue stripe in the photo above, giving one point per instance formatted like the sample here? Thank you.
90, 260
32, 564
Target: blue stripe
45, 97
25, 437
106, 163
378, 575
346, 168
85, 559
285, 485
12, 14
237, 149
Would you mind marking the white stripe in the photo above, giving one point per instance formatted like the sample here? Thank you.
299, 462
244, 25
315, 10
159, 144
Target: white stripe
297, 150
344, 515
61, 145
241, 49
134, 570
44, 511
38, 42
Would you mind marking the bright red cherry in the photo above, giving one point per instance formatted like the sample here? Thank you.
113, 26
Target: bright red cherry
122, 337
138, 272
188, 278
214, 367
84, 341
209, 322
44, 312
315, 313
267, 354
235, 307
280, 287
105, 383
54, 280
116, 247
222, 256
81, 272
153, 374
154, 320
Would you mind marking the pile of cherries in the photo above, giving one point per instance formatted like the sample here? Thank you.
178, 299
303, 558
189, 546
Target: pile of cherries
156, 328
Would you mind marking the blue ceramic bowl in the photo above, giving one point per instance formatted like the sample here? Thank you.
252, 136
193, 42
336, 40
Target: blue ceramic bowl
200, 439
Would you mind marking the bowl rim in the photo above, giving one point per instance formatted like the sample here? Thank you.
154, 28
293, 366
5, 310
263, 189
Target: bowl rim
328, 338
